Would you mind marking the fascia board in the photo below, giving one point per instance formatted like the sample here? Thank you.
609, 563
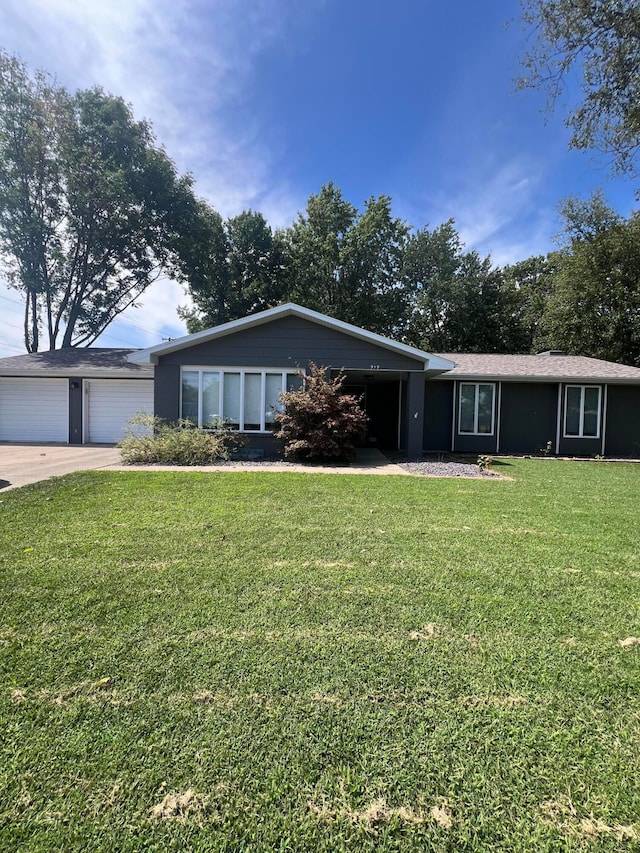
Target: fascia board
505, 377
151, 354
63, 373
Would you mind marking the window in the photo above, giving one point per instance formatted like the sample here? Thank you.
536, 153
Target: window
582, 411
246, 400
475, 415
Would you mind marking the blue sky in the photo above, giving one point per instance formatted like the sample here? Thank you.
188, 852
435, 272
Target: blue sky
266, 100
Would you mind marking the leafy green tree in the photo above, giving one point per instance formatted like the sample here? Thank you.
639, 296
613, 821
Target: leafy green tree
528, 285
431, 261
348, 264
600, 41
89, 206
459, 300
594, 308
232, 268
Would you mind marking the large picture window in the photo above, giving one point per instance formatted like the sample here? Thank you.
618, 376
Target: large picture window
582, 411
246, 400
476, 411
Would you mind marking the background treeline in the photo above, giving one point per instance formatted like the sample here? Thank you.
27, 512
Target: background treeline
92, 211
424, 287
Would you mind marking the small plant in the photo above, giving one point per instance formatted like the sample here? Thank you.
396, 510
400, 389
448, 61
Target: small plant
150, 440
319, 422
547, 450
484, 462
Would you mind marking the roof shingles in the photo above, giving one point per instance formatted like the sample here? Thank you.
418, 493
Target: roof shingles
538, 367
74, 361
81, 361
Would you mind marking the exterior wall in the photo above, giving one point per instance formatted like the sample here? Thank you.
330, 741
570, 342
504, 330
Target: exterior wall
75, 411
415, 414
528, 416
166, 392
438, 412
622, 437
287, 343
291, 342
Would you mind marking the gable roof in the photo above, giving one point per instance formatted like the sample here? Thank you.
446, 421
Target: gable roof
558, 368
290, 309
76, 361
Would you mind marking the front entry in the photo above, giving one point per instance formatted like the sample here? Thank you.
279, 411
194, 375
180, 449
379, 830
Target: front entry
380, 400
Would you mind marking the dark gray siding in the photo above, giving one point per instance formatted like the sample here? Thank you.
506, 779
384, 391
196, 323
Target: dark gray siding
291, 342
475, 443
76, 392
166, 392
580, 446
438, 412
622, 437
529, 417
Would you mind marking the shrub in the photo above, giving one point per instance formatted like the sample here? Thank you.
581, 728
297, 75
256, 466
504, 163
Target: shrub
150, 440
319, 422
485, 462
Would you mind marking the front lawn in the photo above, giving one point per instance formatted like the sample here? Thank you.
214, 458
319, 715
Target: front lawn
265, 661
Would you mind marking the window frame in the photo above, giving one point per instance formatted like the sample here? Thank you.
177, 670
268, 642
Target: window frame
285, 373
583, 389
476, 404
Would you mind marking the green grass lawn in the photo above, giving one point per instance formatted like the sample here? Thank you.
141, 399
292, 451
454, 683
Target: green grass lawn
265, 661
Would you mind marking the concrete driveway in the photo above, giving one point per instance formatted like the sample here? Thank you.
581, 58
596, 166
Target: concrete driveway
21, 464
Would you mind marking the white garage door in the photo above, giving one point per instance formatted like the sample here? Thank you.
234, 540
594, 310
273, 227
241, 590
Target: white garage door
111, 403
34, 410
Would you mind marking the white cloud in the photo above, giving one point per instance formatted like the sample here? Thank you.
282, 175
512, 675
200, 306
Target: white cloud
136, 327
497, 210
183, 64
186, 65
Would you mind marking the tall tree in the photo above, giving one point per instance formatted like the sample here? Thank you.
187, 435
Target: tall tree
594, 308
348, 264
459, 301
600, 41
90, 208
431, 261
231, 268
528, 285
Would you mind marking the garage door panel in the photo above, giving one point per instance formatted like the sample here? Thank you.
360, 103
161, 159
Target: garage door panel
34, 410
110, 405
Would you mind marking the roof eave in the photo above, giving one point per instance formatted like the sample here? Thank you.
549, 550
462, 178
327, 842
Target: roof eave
152, 354
69, 372
508, 377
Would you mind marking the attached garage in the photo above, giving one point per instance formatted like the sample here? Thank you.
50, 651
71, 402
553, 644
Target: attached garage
109, 405
73, 395
34, 409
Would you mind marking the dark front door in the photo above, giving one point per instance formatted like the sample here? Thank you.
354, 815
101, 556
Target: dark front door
380, 401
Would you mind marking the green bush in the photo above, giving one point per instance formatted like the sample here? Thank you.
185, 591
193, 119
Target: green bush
150, 440
318, 421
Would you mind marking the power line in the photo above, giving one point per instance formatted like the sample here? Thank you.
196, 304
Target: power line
15, 301
141, 326
11, 346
